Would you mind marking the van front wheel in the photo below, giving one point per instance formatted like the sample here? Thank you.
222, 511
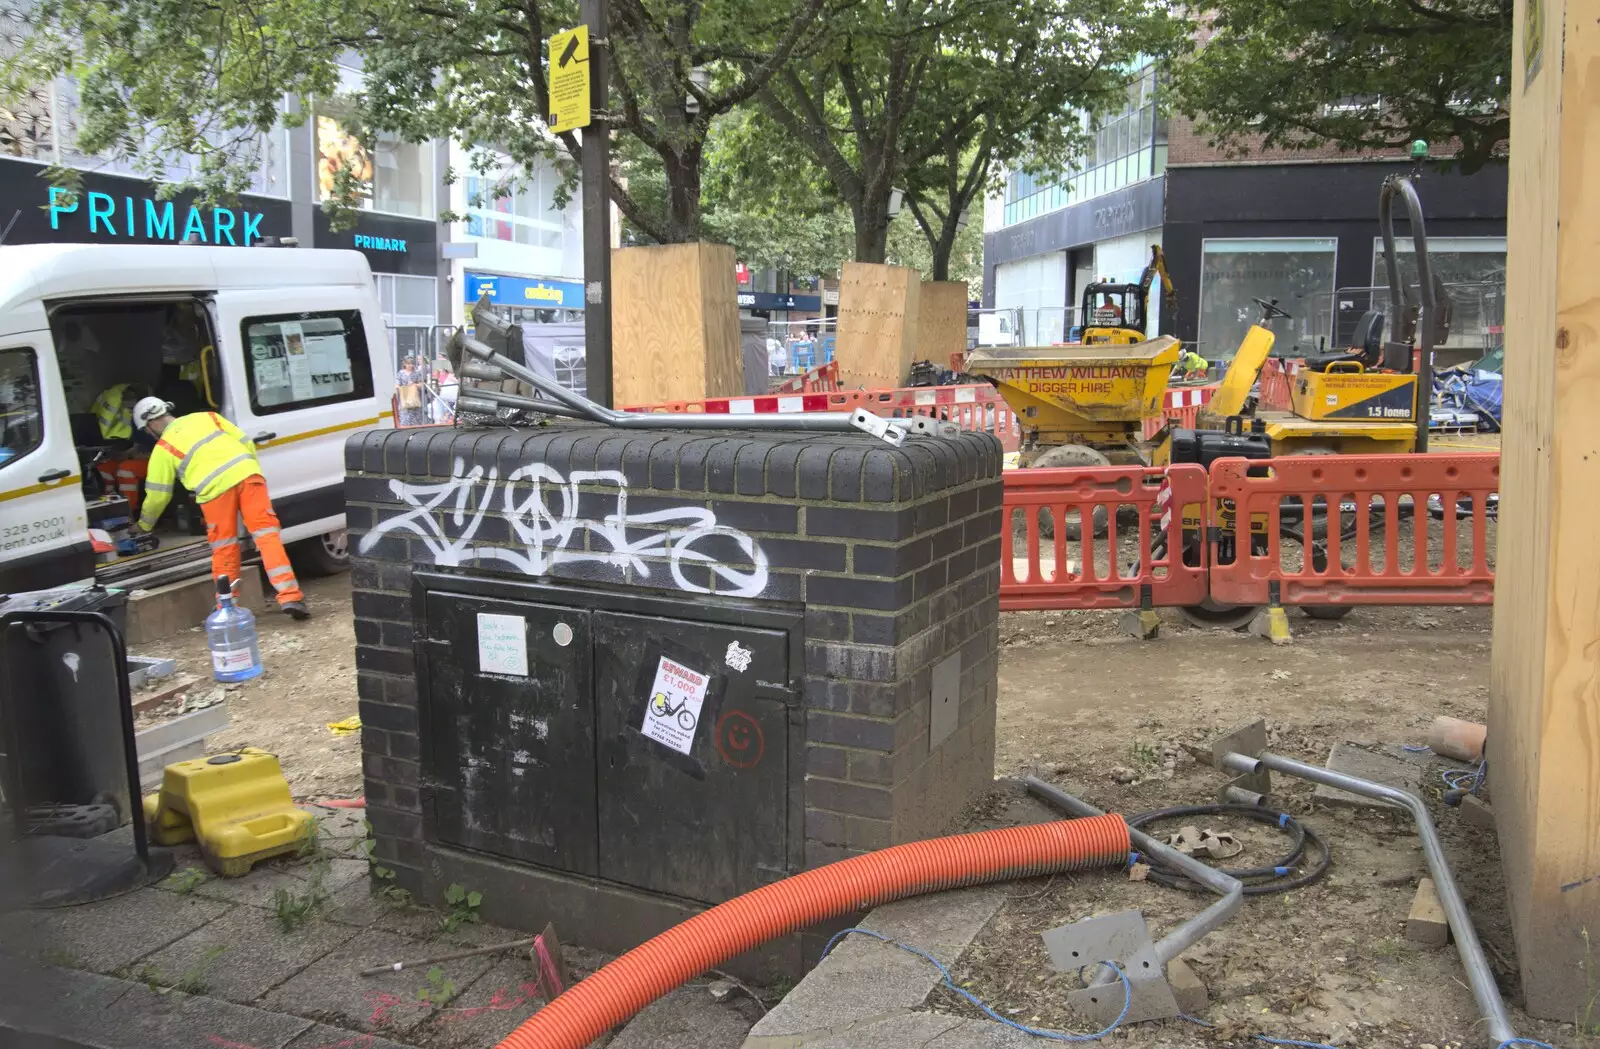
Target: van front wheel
326, 554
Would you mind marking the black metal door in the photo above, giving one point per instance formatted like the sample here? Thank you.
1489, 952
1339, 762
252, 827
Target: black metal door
712, 822
509, 760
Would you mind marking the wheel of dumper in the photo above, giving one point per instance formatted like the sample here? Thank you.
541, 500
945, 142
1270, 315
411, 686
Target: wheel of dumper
1070, 455
1214, 615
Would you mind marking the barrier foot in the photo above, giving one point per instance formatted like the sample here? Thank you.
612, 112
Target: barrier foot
1142, 623
1272, 622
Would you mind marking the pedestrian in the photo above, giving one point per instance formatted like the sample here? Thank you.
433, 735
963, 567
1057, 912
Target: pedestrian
409, 388
213, 458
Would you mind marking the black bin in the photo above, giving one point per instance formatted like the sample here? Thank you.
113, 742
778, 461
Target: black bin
61, 743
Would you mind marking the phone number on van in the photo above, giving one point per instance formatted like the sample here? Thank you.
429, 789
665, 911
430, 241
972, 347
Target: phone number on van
34, 532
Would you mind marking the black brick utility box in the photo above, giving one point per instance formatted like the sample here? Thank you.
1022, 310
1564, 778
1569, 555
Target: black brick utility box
609, 678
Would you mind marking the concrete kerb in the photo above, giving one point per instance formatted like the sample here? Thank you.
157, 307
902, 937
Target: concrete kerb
863, 984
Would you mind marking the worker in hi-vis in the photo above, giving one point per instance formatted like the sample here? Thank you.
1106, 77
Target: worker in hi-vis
213, 458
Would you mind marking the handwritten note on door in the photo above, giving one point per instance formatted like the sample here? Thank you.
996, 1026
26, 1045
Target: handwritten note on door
502, 644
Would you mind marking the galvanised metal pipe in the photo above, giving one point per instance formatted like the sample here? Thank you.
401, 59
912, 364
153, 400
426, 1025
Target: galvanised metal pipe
829, 422
481, 400
1190, 932
1479, 975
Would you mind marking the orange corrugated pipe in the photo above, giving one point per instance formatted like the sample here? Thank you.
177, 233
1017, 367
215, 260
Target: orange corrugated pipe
619, 990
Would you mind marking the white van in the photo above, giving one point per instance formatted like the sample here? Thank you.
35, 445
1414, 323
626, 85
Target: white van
210, 329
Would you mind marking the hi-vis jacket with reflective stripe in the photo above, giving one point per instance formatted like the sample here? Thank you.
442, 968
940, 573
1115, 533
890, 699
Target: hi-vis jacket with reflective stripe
206, 453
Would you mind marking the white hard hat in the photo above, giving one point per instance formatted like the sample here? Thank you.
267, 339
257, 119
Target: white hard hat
148, 409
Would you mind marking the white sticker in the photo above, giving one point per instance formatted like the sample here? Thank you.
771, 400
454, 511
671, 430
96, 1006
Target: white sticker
676, 696
563, 634
502, 644
227, 660
1333, 398
738, 657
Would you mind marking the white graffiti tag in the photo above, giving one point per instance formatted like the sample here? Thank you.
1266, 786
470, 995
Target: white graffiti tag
447, 515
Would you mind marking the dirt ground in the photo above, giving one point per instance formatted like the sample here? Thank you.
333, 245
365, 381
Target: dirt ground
309, 681
1108, 718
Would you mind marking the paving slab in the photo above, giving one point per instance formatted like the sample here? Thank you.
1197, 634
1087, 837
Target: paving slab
321, 1036
1380, 768
495, 1005
864, 980
357, 904
110, 935
255, 889
245, 954
69, 999
331, 991
688, 1018
340, 823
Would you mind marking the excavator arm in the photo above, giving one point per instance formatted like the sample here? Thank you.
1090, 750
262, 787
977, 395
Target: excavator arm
1147, 279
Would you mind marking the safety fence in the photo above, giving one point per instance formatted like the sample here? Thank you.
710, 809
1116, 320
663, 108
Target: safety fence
973, 406
1359, 530
1272, 391
821, 379
1322, 530
1050, 560
1180, 407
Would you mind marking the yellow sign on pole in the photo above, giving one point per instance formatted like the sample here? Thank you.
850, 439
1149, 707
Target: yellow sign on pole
569, 79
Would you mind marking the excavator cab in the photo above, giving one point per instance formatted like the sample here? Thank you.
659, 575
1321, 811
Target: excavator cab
1118, 314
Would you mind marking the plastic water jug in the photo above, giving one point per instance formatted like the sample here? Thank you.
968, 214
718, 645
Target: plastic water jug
231, 636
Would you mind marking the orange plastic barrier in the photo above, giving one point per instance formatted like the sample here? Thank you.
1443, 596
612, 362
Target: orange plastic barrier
974, 406
1376, 500
824, 378
1273, 388
1110, 571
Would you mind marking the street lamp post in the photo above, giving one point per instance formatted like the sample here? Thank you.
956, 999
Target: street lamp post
597, 208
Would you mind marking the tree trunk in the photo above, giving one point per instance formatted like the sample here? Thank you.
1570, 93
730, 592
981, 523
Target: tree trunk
872, 229
943, 248
683, 195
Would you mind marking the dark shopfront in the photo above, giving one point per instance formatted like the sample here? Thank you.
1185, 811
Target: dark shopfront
112, 209
1301, 232
404, 256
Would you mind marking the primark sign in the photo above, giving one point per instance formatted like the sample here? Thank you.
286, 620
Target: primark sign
115, 210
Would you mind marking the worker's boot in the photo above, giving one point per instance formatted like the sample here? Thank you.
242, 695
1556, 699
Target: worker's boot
296, 610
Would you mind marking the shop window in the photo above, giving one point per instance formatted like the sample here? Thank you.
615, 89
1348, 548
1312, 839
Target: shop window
1474, 273
1298, 272
21, 411
302, 360
392, 175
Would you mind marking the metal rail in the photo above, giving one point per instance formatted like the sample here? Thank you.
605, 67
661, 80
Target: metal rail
1180, 939
1479, 975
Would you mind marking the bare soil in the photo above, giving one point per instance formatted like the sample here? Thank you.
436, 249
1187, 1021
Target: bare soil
1109, 718
309, 681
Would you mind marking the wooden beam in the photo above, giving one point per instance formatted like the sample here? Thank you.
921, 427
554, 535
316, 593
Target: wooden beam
1544, 711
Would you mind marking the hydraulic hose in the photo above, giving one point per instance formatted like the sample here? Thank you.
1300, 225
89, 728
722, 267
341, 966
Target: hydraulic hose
619, 990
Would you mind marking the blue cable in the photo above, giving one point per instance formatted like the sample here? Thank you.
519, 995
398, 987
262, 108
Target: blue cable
1469, 780
1525, 1041
1037, 1032
1415, 748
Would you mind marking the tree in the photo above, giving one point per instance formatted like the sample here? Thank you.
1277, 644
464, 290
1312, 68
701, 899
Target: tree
905, 94
1360, 74
207, 77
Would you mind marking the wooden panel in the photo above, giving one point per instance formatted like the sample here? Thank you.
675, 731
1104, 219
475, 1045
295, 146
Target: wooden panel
877, 338
674, 324
1544, 710
941, 321
719, 295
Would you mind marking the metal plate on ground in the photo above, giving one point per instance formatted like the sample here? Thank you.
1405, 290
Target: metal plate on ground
1251, 740
946, 699
1125, 939
1364, 764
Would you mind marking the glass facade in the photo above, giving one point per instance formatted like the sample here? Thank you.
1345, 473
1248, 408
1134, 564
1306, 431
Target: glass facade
1474, 273
1296, 271
42, 125
396, 176
521, 210
1129, 146
408, 312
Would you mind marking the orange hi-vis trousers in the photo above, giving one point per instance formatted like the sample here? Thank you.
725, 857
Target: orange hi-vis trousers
123, 476
249, 499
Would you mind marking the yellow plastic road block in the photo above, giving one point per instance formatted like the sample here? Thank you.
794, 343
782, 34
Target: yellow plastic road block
237, 806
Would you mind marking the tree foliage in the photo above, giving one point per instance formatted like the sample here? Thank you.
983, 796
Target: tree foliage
1361, 74
207, 78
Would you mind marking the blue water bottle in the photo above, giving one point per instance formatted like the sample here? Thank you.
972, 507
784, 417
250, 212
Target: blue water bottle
231, 636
